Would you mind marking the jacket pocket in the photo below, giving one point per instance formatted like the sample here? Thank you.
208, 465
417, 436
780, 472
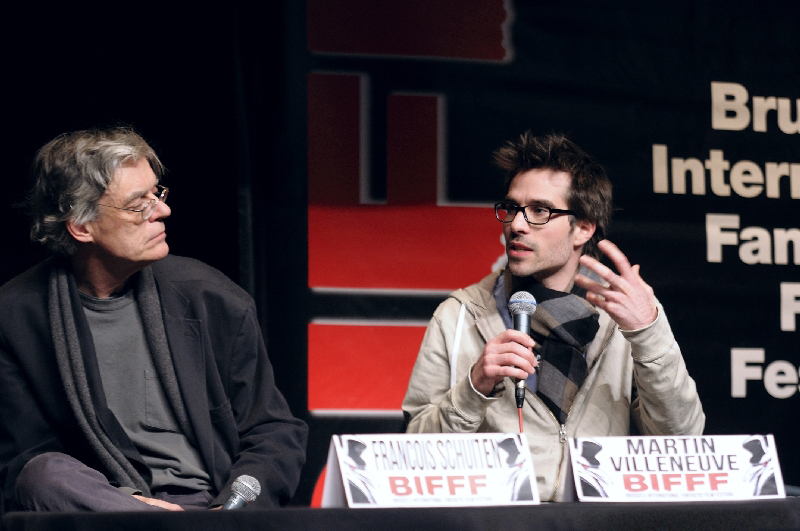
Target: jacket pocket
158, 412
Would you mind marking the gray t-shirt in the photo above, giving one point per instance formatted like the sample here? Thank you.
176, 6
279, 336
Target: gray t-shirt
135, 395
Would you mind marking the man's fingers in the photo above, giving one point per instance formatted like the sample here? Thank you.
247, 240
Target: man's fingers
511, 356
616, 285
616, 256
511, 353
602, 271
587, 283
159, 503
492, 369
517, 337
511, 371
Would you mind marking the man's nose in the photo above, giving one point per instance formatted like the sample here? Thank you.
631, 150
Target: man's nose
162, 211
519, 223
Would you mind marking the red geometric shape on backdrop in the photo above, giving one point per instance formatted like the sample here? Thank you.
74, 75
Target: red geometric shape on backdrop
360, 366
401, 247
467, 29
410, 243
334, 132
412, 142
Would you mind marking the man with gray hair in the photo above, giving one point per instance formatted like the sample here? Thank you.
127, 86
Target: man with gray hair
131, 379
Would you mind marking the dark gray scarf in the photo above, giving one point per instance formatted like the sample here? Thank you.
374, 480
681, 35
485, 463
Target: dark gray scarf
74, 375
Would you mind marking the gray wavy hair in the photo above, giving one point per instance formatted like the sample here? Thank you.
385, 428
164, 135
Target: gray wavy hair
72, 172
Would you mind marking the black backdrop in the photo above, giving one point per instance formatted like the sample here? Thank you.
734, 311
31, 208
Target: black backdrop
220, 93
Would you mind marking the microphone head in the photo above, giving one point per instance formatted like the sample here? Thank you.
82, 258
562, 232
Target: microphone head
522, 302
247, 487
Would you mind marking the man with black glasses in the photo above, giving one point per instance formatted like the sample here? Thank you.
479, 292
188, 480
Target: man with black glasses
131, 379
600, 354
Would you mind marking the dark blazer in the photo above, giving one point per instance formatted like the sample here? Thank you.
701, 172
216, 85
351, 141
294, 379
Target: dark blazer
241, 421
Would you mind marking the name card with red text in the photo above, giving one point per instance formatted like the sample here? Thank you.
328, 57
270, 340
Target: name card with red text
667, 468
429, 470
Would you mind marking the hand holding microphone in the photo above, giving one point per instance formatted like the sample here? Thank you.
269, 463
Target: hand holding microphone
507, 355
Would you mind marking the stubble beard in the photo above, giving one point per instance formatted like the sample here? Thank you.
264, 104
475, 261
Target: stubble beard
537, 266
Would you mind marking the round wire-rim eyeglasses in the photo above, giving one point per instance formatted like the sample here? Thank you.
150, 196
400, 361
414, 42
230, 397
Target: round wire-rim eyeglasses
148, 207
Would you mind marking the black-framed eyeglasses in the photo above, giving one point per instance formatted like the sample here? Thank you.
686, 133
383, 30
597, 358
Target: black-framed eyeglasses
148, 207
533, 214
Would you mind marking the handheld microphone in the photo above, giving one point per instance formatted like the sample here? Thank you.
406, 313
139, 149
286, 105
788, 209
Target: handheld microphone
522, 306
244, 489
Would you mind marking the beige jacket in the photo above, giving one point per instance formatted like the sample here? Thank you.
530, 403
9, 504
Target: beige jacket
667, 402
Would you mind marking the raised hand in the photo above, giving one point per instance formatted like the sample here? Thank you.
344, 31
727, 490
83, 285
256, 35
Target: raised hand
627, 298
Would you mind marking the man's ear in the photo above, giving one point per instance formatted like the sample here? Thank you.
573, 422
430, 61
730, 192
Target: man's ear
82, 233
582, 232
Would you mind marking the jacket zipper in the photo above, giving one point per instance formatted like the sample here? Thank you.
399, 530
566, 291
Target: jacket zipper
562, 432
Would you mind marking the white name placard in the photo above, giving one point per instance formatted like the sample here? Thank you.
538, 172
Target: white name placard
652, 469
429, 470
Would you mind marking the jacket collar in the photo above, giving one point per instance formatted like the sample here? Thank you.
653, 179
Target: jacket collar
479, 300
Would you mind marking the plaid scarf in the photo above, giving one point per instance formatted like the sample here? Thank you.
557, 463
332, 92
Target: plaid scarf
563, 326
